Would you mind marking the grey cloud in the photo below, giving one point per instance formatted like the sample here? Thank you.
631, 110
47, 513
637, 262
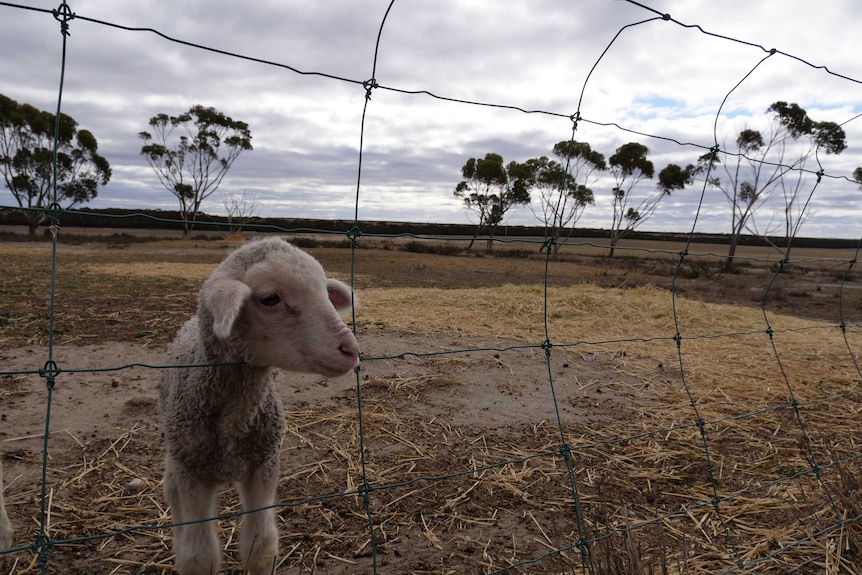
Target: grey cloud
535, 56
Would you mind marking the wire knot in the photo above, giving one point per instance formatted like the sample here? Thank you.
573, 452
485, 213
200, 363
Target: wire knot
43, 545
63, 15
369, 85
548, 245
820, 175
50, 372
53, 212
50, 369
665, 17
365, 491
547, 345
583, 546
353, 235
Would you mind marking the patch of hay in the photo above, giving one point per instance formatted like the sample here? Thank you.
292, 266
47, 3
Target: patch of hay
481, 499
726, 351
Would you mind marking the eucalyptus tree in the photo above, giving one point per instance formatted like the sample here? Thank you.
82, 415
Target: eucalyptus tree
31, 169
632, 207
765, 161
191, 153
565, 187
490, 189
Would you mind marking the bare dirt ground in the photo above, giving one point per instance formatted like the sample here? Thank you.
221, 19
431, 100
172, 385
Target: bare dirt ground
105, 463
457, 430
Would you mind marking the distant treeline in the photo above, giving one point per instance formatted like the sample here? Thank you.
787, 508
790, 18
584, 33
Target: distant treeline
117, 218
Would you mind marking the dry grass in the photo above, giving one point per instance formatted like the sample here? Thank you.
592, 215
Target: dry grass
474, 499
515, 506
638, 327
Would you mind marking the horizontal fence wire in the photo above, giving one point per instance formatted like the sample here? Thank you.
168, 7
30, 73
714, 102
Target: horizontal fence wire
589, 547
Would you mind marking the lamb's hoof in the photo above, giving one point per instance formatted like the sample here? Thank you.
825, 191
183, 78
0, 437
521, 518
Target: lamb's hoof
262, 565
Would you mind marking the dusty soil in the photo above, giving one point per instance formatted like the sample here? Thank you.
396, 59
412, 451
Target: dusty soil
458, 437
105, 458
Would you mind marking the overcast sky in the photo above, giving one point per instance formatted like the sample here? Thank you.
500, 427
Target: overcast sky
658, 77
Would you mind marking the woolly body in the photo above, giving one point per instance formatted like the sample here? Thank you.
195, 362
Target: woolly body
268, 305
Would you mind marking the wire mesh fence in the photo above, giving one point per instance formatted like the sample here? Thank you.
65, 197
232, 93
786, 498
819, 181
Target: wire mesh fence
616, 431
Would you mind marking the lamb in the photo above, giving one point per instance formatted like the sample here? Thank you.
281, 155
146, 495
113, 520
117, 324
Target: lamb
268, 305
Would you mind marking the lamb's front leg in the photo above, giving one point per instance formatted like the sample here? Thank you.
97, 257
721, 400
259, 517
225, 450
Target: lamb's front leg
196, 545
258, 539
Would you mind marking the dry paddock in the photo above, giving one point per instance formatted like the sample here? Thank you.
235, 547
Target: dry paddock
511, 428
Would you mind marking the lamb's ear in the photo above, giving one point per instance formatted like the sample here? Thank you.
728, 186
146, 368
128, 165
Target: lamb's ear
224, 297
340, 296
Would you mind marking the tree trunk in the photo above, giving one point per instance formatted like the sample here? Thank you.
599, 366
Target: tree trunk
614, 240
731, 252
34, 219
188, 223
475, 236
489, 247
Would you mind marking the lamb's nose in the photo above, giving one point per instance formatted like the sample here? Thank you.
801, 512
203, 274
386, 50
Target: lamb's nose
350, 350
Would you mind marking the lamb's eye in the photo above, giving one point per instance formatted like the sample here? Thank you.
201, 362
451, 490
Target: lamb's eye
270, 300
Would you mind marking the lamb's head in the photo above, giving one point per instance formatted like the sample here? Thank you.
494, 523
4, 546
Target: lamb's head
270, 304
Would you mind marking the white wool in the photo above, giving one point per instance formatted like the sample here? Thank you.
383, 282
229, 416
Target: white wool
268, 305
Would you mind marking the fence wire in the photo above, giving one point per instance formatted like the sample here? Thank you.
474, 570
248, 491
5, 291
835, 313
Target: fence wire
713, 517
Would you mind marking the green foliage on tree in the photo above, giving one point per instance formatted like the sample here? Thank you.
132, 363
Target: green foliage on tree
565, 198
565, 187
828, 136
27, 161
629, 166
490, 189
191, 153
675, 177
765, 162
